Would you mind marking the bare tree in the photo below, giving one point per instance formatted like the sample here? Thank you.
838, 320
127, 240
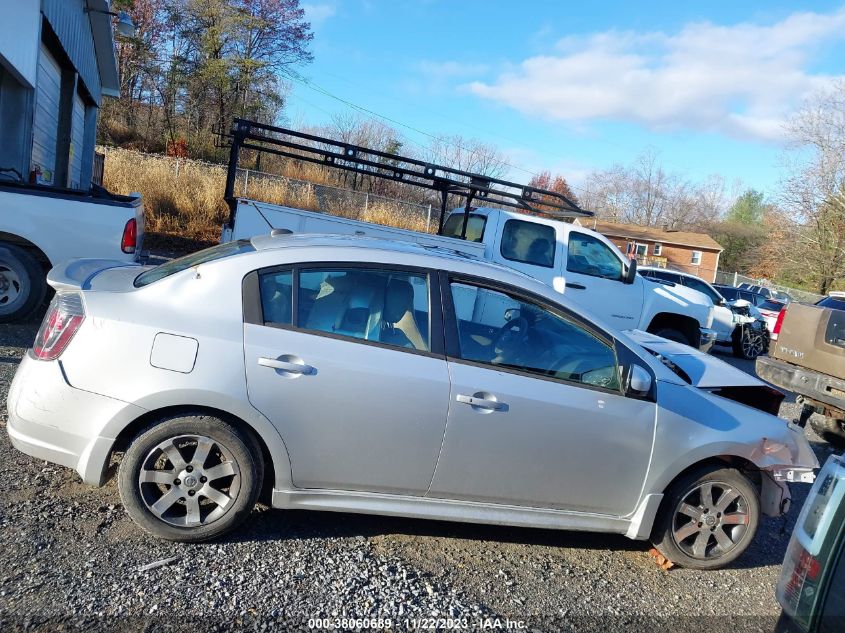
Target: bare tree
814, 191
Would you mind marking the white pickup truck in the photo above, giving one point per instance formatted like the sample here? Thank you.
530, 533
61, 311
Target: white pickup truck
41, 226
584, 264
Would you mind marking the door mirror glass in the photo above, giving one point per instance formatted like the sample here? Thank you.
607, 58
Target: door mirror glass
631, 274
639, 381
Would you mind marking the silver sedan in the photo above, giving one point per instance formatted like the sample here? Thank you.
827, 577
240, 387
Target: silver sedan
360, 375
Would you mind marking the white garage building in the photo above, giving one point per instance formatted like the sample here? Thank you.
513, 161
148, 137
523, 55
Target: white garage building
57, 62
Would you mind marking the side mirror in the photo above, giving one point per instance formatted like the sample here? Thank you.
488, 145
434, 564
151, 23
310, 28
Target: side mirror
512, 313
631, 275
639, 381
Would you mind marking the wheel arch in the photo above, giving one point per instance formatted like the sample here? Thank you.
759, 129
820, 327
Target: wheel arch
22, 242
651, 504
277, 471
681, 322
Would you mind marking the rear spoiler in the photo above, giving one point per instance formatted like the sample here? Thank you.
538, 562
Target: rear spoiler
76, 274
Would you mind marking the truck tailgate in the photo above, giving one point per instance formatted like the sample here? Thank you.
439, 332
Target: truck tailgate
812, 338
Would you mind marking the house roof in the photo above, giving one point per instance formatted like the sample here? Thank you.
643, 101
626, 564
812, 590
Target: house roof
652, 234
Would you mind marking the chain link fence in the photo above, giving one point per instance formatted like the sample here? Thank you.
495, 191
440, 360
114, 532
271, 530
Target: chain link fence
735, 279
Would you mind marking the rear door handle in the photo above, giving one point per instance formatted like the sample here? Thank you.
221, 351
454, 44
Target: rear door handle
482, 403
293, 368
576, 286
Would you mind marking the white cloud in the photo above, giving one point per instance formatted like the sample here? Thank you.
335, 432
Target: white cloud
316, 14
741, 79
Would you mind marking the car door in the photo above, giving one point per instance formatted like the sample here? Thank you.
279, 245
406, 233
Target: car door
723, 316
594, 276
347, 362
537, 417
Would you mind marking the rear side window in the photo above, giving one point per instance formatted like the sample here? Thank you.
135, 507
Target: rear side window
276, 289
475, 226
383, 306
529, 243
194, 259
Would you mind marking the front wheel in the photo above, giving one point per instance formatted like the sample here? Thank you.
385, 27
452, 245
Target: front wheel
190, 478
708, 518
748, 342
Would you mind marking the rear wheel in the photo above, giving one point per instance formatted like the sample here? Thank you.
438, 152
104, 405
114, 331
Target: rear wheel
22, 283
708, 518
190, 478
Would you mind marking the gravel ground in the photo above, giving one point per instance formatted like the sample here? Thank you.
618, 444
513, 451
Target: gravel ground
71, 558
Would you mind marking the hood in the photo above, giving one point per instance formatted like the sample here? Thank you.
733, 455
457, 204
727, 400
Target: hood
704, 371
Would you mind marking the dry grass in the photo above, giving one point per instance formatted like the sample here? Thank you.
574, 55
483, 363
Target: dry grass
184, 198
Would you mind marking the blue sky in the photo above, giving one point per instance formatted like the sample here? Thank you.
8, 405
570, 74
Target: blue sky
577, 86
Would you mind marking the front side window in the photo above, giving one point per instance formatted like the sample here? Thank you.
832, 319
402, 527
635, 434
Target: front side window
529, 243
475, 226
696, 257
590, 256
381, 306
504, 331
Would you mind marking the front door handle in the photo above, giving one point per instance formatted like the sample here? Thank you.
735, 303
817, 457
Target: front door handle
576, 286
481, 402
293, 368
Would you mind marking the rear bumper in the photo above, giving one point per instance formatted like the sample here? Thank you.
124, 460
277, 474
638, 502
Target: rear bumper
706, 339
813, 385
51, 420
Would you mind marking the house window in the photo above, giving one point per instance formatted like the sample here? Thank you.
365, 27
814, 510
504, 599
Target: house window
658, 249
641, 250
696, 257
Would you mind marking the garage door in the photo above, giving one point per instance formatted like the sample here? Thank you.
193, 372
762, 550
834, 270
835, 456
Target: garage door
45, 126
77, 137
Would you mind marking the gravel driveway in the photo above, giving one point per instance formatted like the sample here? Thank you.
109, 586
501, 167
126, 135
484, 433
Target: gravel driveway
70, 555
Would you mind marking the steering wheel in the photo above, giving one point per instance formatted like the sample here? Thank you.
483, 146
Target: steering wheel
511, 335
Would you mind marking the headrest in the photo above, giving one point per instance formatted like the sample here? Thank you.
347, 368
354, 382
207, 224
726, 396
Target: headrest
398, 300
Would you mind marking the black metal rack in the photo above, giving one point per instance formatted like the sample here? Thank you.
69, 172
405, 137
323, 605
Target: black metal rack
353, 158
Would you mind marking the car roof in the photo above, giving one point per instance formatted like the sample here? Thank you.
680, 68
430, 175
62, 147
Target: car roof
263, 243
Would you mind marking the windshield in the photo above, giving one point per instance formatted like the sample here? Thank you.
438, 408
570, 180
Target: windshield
475, 226
837, 303
194, 259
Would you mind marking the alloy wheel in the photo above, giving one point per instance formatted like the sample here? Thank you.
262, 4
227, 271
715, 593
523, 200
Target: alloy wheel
189, 480
711, 520
752, 343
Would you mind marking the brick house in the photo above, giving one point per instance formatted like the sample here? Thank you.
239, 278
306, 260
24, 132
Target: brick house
695, 253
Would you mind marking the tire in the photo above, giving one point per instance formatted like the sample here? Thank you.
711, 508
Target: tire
748, 343
23, 284
682, 525
674, 335
179, 503
831, 431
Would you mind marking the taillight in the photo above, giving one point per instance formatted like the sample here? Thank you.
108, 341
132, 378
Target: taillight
798, 579
130, 235
778, 323
61, 322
